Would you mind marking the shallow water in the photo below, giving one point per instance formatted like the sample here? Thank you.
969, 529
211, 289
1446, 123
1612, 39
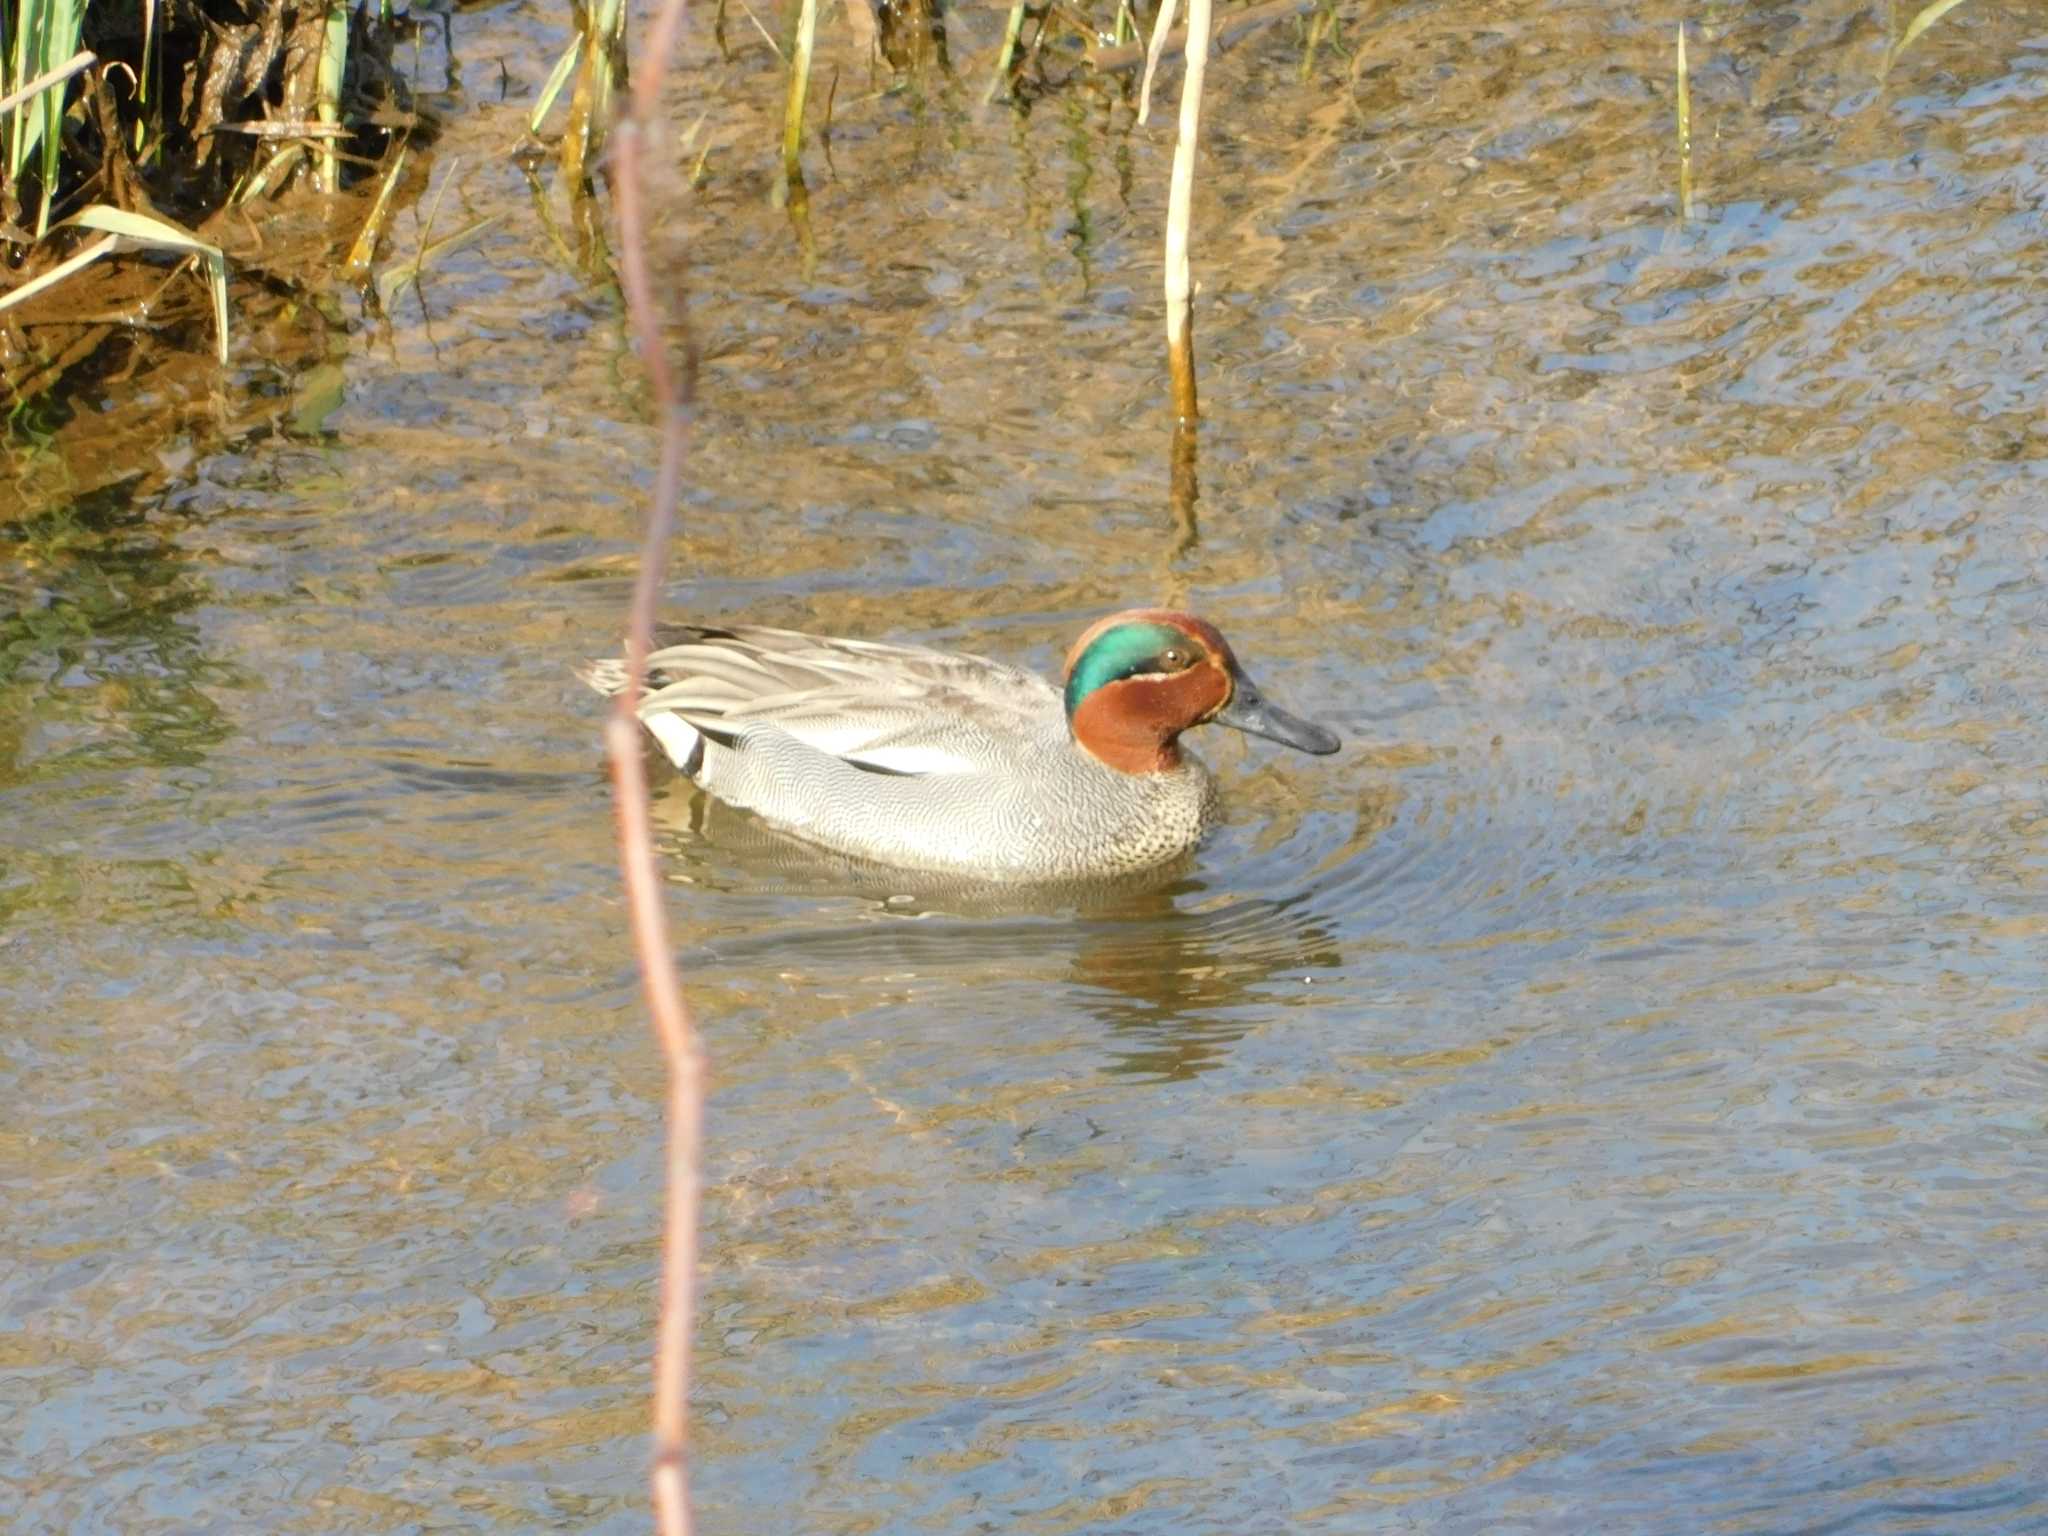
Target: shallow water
1606, 1097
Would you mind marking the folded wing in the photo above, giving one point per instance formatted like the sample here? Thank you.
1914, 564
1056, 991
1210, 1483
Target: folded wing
893, 709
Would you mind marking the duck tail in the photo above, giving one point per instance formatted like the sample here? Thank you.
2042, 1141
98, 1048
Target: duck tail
608, 677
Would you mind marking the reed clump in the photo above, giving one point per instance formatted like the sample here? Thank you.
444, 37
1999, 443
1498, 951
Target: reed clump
126, 127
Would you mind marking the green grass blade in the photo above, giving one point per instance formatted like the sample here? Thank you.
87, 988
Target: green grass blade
393, 281
272, 172
84, 59
142, 228
162, 235
333, 61
144, 97
24, 125
611, 25
1919, 24
364, 250
1012, 30
64, 24
50, 279
557, 78
31, 27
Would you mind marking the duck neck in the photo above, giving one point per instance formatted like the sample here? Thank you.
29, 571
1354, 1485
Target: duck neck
1134, 725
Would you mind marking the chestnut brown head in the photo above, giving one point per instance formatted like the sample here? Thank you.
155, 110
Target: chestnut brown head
1137, 679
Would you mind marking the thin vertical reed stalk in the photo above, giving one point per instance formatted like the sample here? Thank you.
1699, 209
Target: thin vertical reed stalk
1684, 130
1011, 30
1183, 491
333, 65
1320, 25
600, 68
799, 88
1180, 336
364, 250
46, 34
146, 94
674, 395
1162, 29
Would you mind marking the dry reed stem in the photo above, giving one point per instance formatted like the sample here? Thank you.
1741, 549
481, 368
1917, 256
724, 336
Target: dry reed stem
799, 90
1234, 27
79, 62
1012, 29
1684, 130
1180, 338
674, 394
1183, 491
1162, 28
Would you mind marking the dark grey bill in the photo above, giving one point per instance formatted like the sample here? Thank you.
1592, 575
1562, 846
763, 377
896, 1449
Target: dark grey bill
1248, 711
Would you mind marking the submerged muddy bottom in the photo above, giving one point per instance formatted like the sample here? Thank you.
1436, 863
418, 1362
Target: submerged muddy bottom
1606, 1097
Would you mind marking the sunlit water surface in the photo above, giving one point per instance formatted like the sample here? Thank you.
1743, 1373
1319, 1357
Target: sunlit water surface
1608, 1097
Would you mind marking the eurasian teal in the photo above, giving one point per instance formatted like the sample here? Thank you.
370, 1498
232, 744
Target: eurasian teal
929, 760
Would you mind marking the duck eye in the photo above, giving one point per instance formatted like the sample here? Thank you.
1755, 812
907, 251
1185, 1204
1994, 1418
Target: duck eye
1174, 658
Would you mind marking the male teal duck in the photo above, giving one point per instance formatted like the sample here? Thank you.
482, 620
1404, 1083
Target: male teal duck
930, 760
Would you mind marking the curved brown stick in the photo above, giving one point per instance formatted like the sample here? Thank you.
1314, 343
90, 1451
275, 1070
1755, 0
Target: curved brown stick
674, 395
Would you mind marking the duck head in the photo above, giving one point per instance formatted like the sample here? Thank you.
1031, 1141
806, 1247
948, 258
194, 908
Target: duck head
1137, 679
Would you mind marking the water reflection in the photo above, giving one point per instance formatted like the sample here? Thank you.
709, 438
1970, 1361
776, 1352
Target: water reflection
1171, 973
101, 662
1177, 988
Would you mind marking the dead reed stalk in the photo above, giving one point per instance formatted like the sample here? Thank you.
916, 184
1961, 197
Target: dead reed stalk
674, 393
1180, 335
1115, 58
1684, 130
799, 90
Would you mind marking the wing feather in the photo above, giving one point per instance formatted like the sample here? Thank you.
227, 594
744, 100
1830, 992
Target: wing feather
898, 709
